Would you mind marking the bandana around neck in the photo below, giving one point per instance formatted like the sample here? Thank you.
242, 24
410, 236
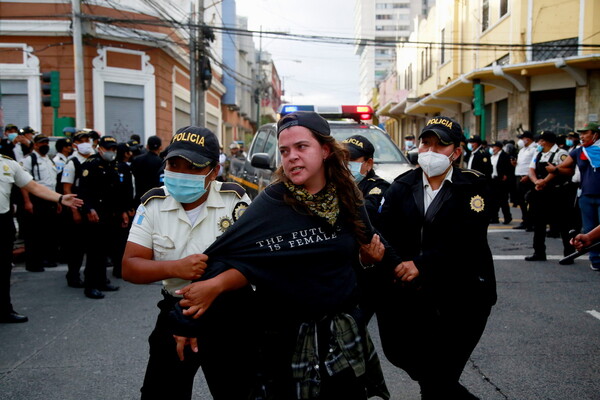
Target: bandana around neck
324, 204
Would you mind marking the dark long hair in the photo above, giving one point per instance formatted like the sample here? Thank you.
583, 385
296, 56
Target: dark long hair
336, 171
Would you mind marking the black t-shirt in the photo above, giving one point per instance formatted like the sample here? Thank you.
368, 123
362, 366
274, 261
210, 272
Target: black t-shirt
298, 263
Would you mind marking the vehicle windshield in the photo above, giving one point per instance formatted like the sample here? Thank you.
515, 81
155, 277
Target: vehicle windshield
385, 150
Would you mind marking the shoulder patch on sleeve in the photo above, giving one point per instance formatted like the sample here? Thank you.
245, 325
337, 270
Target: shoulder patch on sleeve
563, 157
375, 190
232, 187
238, 210
156, 193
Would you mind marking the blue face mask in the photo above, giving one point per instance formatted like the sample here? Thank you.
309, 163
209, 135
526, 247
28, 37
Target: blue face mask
491, 151
470, 146
539, 148
355, 169
185, 188
569, 142
12, 136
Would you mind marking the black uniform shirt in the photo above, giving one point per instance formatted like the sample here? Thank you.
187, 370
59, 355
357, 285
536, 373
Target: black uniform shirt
100, 188
448, 243
373, 187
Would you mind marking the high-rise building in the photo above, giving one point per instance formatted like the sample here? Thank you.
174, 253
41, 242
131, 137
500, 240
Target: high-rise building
378, 21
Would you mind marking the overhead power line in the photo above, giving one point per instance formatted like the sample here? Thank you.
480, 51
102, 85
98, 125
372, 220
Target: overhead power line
337, 40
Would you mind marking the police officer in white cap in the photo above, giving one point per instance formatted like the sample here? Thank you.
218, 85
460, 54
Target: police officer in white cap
173, 226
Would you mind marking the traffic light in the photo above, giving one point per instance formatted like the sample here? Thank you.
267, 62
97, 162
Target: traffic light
478, 99
51, 89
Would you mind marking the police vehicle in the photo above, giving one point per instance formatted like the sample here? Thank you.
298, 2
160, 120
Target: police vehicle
255, 172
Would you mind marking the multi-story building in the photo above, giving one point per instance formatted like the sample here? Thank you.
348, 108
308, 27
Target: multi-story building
499, 67
378, 21
134, 66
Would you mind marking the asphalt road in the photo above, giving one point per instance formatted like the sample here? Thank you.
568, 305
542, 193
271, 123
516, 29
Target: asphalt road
542, 340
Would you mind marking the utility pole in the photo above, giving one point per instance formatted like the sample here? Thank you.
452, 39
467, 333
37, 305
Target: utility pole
193, 68
259, 81
78, 59
197, 52
201, 117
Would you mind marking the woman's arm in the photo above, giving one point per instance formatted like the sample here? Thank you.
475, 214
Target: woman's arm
198, 296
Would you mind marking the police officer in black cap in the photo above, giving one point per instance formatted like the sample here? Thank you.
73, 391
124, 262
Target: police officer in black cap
106, 211
549, 200
361, 164
479, 159
437, 309
147, 168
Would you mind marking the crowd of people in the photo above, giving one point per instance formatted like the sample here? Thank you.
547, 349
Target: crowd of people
550, 177
271, 297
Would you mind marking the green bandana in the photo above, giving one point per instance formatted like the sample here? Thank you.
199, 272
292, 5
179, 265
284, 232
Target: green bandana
324, 204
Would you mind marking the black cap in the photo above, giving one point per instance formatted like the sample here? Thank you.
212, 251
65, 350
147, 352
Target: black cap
10, 126
526, 134
474, 139
133, 145
446, 129
81, 135
94, 135
548, 136
573, 135
107, 142
359, 146
62, 143
409, 137
41, 139
27, 130
154, 143
197, 145
307, 119
497, 143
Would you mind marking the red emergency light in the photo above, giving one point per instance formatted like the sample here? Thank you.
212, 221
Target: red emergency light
359, 113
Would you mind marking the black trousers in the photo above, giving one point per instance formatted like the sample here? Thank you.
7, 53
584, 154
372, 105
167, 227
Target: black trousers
499, 199
521, 200
103, 242
41, 242
7, 227
75, 245
432, 344
551, 206
226, 355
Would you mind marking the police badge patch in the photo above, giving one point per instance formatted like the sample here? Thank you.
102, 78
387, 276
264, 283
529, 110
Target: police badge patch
85, 172
477, 203
224, 223
375, 190
239, 209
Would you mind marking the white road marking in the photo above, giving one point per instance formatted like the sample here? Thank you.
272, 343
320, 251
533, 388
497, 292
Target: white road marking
521, 257
594, 313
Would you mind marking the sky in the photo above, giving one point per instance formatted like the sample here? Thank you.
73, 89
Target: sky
312, 73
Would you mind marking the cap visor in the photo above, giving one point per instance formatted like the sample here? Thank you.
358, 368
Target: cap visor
193, 157
443, 136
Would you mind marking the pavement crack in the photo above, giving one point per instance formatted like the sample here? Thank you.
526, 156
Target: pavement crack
487, 379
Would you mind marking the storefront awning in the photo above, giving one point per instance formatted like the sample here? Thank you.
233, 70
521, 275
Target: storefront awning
506, 77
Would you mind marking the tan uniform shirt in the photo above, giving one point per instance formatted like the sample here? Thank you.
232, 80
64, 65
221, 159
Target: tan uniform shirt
161, 224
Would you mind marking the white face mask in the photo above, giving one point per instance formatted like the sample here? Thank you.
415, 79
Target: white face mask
521, 143
433, 164
85, 148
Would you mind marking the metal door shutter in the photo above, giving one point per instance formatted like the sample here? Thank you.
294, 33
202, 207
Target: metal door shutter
15, 102
553, 110
124, 110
